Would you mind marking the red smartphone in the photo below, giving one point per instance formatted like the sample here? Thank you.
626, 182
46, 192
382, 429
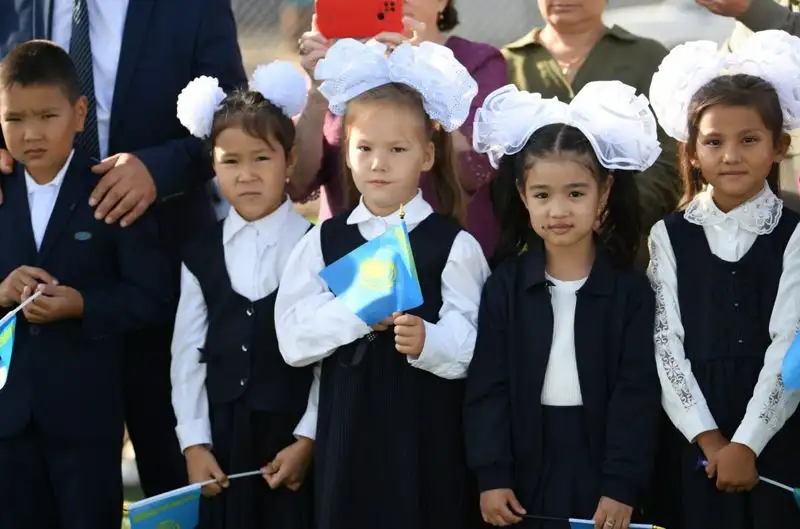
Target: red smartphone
358, 19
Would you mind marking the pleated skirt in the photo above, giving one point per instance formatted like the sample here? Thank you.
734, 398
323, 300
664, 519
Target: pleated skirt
245, 440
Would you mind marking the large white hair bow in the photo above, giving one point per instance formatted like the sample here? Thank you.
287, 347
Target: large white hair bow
280, 82
617, 122
771, 55
351, 68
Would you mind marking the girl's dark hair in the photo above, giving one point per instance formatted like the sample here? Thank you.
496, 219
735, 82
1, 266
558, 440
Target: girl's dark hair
739, 90
448, 20
620, 228
449, 194
257, 116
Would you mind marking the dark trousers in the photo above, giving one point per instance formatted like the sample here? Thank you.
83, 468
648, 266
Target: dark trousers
52, 482
148, 411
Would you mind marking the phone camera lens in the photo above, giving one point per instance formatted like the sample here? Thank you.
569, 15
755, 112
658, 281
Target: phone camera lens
381, 16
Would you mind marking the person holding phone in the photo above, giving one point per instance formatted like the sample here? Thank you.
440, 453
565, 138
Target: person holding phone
318, 172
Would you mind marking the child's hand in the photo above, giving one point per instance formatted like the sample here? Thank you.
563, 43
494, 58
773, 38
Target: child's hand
384, 324
409, 334
57, 302
501, 507
201, 465
735, 467
11, 289
711, 442
611, 514
290, 465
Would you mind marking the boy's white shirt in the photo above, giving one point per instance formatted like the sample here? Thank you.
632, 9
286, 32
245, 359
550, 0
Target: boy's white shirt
256, 254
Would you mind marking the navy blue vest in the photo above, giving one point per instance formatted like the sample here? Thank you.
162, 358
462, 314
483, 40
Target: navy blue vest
726, 307
241, 348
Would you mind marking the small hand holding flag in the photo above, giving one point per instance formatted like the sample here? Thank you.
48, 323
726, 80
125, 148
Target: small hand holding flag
8, 325
379, 277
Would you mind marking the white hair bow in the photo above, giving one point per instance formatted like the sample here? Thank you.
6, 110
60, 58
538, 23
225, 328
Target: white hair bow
771, 55
280, 82
351, 68
617, 122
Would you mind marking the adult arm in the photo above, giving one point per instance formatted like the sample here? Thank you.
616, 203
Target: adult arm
183, 163
768, 14
310, 144
142, 295
475, 169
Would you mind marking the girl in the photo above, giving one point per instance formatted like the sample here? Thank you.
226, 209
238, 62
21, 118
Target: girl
389, 450
561, 408
239, 406
725, 271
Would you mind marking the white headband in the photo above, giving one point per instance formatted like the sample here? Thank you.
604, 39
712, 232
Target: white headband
771, 55
280, 82
351, 68
617, 122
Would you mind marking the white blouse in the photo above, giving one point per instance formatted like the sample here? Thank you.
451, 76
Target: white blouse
729, 235
312, 323
562, 386
256, 254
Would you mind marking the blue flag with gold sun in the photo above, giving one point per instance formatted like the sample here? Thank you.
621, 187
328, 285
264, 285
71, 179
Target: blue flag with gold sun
378, 278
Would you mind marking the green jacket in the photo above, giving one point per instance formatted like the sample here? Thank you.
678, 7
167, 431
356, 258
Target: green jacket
618, 56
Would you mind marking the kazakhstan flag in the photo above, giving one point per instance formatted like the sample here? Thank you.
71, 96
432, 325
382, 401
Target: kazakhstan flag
791, 365
378, 278
7, 328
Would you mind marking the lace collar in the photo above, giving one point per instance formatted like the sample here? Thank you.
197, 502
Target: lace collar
759, 215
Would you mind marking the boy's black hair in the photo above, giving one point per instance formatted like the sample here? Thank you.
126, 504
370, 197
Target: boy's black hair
40, 62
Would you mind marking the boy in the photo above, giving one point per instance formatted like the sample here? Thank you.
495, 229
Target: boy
61, 419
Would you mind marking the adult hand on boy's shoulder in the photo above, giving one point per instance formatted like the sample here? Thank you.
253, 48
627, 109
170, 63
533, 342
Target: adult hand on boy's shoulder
6, 162
11, 288
6, 166
126, 190
57, 302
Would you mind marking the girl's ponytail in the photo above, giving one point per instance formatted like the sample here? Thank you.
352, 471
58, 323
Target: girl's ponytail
449, 194
620, 221
515, 229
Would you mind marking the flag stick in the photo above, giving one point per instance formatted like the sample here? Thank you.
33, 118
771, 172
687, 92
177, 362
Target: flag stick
576, 520
19, 307
772, 482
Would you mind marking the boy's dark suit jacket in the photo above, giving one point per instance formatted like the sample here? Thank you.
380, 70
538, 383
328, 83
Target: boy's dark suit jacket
66, 374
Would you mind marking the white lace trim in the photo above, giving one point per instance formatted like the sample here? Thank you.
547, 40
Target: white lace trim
760, 215
776, 401
676, 377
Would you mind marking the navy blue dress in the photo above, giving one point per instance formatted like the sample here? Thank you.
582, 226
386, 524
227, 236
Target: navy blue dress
725, 310
389, 450
560, 460
255, 399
